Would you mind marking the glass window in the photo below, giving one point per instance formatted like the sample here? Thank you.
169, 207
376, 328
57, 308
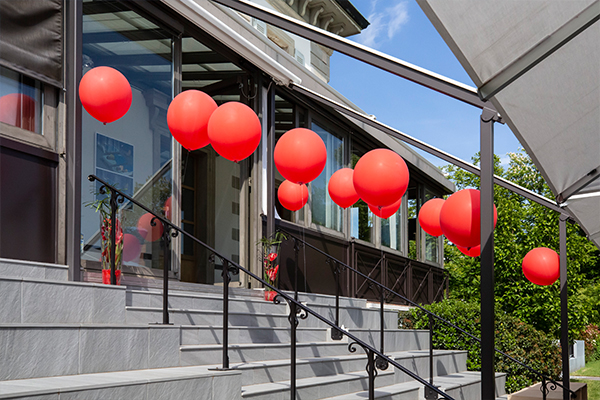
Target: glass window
20, 101
361, 217
134, 152
324, 211
432, 243
391, 230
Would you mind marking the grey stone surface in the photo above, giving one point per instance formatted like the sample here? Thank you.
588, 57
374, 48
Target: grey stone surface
129, 392
28, 352
56, 303
30, 269
226, 387
163, 347
184, 389
113, 349
10, 295
108, 305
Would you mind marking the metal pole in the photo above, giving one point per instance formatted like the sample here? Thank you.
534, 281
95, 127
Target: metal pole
429, 393
296, 266
336, 334
113, 237
166, 267
371, 371
381, 319
226, 280
270, 161
488, 377
564, 312
293, 317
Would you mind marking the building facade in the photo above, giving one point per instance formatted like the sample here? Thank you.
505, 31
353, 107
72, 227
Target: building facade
49, 146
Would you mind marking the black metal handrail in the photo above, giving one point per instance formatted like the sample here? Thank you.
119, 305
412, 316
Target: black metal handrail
375, 358
330, 259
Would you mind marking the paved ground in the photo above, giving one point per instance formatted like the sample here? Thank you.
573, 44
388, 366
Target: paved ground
590, 378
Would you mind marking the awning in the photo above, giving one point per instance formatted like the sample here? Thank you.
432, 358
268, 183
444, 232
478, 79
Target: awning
540, 60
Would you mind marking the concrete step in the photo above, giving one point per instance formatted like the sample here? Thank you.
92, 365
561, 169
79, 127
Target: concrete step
29, 300
445, 362
394, 339
353, 314
44, 350
317, 387
279, 370
460, 386
148, 384
33, 270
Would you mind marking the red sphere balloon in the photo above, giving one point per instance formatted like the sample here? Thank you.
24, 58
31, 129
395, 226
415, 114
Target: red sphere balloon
105, 93
188, 116
471, 251
541, 266
460, 218
234, 131
292, 196
300, 155
341, 188
131, 247
429, 217
387, 211
18, 110
147, 231
380, 177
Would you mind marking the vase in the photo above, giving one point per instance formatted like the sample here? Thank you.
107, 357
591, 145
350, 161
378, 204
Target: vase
105, 231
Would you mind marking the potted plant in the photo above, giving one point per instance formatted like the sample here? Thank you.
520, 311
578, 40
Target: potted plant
270, 260
102, 206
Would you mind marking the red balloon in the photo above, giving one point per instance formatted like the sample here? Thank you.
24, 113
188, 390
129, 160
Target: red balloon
341, 188
147, 231
131, 247
18, 110
429, 217
292, 196
471, 252
387, 211
105, 93
188, 116
541, 266
234, 131
167, 207
381, 177
460, 218
300, 155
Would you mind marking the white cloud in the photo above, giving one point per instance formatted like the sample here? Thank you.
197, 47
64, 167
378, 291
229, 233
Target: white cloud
388, 21
398, 16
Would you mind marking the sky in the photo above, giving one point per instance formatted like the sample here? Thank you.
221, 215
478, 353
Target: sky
401, 29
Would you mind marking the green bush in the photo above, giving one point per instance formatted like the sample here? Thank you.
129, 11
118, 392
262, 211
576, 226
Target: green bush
591, 336
516, 338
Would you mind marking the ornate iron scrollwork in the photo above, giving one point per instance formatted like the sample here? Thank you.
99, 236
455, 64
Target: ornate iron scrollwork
381, 363
544, 387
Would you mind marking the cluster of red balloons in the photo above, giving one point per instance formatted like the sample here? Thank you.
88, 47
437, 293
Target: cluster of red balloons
370, 181
233, 129
300, 156
458, 218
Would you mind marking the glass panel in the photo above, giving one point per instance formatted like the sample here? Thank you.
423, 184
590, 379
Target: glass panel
391, 234
20, 101
324, 211
361, 217
134, 152
431, 242
284, 121
412, 222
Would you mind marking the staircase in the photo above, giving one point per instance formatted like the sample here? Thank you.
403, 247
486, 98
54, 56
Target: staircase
69, 340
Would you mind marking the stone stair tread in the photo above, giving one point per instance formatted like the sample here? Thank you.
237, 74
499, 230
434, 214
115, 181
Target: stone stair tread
458, 379
189, 347
264, 388
70, 383
200, 311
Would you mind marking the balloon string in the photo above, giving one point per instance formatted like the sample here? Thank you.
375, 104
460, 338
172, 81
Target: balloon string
304, 257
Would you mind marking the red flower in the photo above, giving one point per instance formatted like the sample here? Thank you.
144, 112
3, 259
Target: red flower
272, 256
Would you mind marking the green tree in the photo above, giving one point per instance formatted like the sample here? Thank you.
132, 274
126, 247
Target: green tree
523, 225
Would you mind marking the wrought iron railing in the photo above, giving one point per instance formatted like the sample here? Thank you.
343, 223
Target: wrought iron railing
547, 382
376, 359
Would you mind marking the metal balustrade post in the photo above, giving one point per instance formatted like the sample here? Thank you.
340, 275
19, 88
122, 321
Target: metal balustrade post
293, 318
564, 312
430, 394
336, 334
166, 266
372, 373
381, 319
113, 237
296, 266
226, 280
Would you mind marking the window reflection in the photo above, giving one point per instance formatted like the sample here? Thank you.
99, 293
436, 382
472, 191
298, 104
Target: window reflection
324, 211
20, 100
